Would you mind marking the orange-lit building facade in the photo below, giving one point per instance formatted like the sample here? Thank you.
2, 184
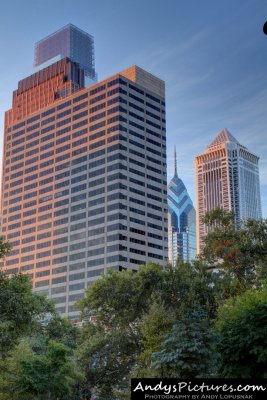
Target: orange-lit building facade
84, 178
227, 177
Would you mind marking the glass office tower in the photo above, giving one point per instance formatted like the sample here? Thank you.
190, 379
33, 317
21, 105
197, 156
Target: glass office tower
181, 220
227, 176
84, 178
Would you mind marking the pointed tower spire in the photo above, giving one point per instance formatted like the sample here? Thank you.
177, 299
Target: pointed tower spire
175, 163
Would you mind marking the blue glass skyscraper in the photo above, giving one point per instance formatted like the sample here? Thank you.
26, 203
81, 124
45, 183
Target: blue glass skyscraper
181, 220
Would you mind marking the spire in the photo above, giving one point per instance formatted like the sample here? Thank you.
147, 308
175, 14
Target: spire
175, 163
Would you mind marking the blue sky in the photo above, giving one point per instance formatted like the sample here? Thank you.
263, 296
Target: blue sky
212, 55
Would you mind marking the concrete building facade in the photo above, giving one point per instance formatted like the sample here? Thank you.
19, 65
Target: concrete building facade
227, 176
84, 178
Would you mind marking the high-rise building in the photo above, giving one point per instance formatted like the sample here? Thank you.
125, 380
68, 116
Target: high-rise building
181, 220
84, 178
227, 176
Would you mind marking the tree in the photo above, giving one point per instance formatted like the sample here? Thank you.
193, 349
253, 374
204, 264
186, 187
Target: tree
109, 345
45, 375
242, 327
238, 253
130, 314
188, 351
189, 286
4, 247
154, 325
38, 362
119, 297
36, 344
61, 330
20, 309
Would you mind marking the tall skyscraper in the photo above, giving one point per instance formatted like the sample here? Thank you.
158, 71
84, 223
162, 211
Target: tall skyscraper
227, 176
181, 220
84, 178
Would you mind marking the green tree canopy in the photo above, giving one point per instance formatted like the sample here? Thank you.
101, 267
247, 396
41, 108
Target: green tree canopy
37, 345
130, 314
188, 351
154, 325
240, 253
29, 375
4, 247
110, 343
20, 309
242, 328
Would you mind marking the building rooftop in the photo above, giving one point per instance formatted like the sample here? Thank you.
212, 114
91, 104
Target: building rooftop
224, 136
70, 42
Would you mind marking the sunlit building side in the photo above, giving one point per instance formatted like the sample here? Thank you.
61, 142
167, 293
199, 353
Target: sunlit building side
227, 176
84, 178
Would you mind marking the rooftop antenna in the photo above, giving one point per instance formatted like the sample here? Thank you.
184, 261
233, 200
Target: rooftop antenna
175, 163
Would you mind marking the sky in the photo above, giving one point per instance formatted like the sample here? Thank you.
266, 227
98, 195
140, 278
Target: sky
212, 55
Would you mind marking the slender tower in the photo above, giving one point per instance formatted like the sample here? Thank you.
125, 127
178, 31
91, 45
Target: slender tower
227, 176
181, 220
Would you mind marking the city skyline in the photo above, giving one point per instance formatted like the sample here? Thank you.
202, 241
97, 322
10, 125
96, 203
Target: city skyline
212, 57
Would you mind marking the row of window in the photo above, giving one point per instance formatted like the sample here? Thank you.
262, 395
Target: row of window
82, 206
73, 236
79, 178
79, 142
77, 267
85, 96
76, 108
75, 126
59, 158
83, 159
75, 247
82, 196
81, 275
91, 223
95, 192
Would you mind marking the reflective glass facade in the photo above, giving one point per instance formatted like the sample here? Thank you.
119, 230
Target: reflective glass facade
181, 221
70, 42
